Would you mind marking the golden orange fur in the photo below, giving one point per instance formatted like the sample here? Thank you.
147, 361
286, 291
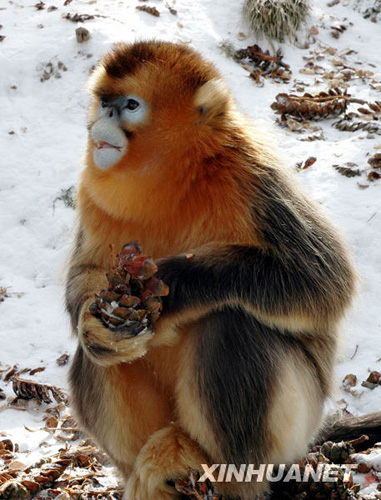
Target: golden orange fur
192, 176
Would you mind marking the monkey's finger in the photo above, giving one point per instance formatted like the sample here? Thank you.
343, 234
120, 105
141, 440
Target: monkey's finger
106, 346
134, 329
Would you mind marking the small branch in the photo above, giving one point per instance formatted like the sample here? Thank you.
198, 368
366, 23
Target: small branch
354, 354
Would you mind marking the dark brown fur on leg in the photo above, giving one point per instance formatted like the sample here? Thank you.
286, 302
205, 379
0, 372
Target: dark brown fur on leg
121, 406
248, 394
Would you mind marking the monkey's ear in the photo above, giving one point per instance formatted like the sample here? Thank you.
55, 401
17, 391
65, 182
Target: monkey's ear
212, 98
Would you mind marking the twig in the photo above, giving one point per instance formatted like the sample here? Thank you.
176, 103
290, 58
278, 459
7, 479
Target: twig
370, 218
354, 354
53, 429
22, 408
359, 440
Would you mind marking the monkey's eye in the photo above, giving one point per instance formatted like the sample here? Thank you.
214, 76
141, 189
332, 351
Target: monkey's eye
132, 105
134, 110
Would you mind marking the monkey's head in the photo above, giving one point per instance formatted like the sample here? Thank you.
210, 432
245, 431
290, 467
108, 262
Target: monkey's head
154, 103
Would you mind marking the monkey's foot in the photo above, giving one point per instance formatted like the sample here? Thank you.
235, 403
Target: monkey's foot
138, 491
165, 457
106, 346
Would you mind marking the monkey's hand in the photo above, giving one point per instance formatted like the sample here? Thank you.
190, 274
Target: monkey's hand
128, 309
108, 346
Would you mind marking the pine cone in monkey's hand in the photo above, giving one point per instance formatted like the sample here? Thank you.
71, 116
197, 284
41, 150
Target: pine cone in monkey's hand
131, 304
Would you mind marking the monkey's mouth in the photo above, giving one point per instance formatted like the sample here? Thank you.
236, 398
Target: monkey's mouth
107, 145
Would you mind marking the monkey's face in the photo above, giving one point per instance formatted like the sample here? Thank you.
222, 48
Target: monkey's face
153, 102
111, 130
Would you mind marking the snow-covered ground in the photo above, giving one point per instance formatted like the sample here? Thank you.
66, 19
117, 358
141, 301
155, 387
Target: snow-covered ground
43, 72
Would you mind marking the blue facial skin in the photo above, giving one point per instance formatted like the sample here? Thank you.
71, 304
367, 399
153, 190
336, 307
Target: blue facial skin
131, 109
134, 110
107, 133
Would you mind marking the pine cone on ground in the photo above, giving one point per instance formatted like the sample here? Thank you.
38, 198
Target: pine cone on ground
338, 489
309, 107
375, 161
337, 453
150, 10
132, 300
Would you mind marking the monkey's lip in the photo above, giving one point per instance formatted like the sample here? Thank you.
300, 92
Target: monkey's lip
107, 145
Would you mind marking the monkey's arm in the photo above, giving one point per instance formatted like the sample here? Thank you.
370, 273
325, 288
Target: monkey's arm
299, 278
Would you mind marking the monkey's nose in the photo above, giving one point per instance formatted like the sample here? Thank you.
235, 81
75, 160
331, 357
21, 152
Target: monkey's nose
109, 112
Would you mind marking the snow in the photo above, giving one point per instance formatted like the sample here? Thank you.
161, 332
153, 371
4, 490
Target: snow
43, 136
373, 459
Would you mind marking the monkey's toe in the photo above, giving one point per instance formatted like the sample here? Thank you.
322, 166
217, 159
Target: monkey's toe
151, 487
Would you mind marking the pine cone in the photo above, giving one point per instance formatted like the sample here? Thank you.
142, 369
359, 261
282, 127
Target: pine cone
309, 107
132, 300
337, 453
348, 169
375, 161
315, 490
150, 10
346, 125
374, 111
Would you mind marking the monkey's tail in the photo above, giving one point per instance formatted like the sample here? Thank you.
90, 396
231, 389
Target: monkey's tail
346, 428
